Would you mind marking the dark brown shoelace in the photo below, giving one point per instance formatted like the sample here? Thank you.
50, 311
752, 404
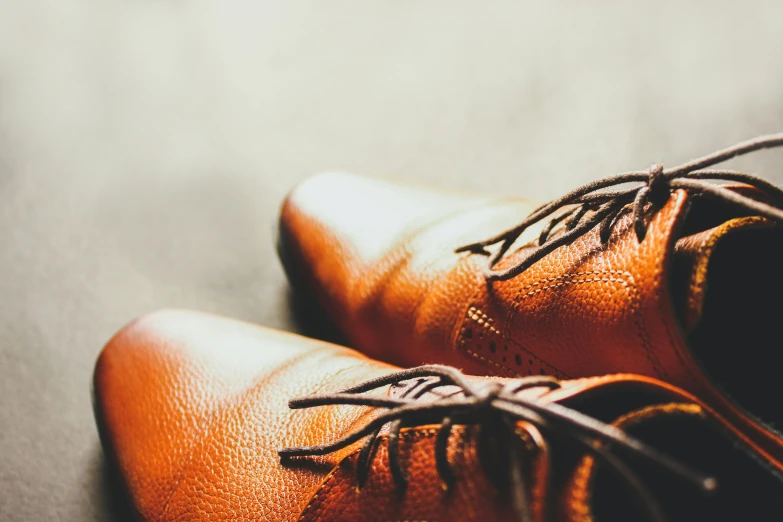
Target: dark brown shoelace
496, 408
596, 206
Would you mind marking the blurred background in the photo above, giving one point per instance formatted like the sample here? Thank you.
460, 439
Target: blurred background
145, 148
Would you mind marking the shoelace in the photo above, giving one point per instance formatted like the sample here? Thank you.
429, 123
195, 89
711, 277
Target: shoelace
594, 206
497, 407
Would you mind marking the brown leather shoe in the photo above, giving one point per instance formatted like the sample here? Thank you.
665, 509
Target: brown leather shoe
676, 279
194, 411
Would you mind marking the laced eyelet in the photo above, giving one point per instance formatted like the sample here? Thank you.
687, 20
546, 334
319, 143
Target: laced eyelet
597, 206
498, 407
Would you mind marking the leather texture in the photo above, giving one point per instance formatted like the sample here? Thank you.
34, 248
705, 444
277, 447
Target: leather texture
588, 308
192, 409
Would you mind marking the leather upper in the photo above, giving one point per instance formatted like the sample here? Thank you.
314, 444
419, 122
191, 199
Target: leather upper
588, 308
192, 409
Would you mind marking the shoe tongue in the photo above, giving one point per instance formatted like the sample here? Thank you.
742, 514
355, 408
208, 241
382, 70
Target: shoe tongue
691, 273
690, 436
710, 230
725, 283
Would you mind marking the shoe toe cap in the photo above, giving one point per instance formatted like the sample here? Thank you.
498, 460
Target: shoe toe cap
192, 408
359, 216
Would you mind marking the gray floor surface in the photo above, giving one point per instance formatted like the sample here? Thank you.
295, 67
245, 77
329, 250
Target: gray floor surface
145, 147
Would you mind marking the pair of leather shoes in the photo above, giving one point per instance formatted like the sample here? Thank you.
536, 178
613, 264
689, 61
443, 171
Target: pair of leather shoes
625, 333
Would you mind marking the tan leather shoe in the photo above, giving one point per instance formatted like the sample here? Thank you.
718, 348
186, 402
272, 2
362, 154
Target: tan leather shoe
194, 410
675, 278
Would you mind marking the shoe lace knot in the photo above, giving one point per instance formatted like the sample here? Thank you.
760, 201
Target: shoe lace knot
601, 203
497, 408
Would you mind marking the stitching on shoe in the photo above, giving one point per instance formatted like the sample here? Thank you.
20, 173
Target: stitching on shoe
625, 278
500, 366
325, 486
328, 483
486, 322
571, 276
462, 343
678, 198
